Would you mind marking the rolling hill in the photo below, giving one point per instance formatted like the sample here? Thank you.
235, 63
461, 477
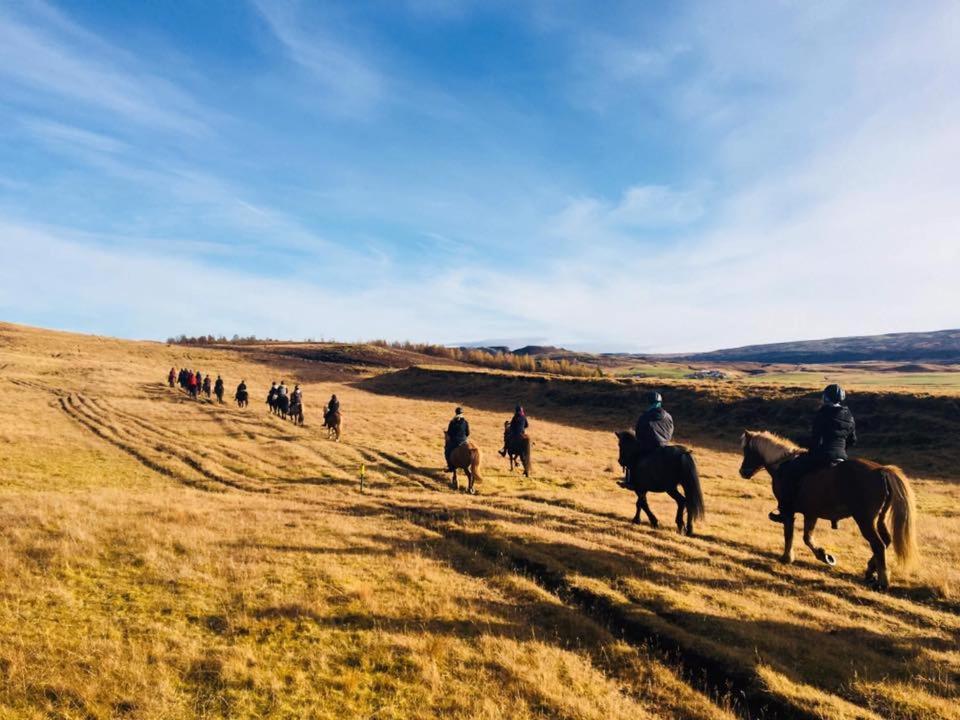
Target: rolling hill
162, 557
941, 346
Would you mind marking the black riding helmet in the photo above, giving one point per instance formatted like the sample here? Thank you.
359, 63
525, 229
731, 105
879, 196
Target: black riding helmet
458, 411
834, 394
651, 397
518, 408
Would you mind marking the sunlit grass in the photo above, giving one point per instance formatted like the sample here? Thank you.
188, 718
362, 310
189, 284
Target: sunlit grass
161, 558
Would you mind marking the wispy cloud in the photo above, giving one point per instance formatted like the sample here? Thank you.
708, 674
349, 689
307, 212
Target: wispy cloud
63, 62
351, 83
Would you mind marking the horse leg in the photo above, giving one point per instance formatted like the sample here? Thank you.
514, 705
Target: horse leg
878, 562
469, 473
636, 518
681, 504
809, 525
646, 508
787, 556
455, 484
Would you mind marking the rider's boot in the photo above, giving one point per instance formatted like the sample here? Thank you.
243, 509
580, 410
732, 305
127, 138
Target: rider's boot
503, 452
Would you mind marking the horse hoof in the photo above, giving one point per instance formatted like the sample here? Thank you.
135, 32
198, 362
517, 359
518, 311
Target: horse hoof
786, 559
828, 558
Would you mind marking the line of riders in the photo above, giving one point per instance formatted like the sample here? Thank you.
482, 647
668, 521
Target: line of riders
818, 482
834, 429
279, 399
195, 383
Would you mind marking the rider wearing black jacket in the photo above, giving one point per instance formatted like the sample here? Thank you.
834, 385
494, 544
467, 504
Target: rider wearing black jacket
654, 430
834, 430
457, 433
516, 429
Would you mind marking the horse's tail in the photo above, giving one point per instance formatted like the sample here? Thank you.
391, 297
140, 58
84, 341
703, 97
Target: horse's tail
904, 513
475, 463
525, 455
690, 480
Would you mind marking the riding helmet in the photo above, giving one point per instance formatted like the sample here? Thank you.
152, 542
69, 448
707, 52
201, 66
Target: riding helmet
518, 408
834, 394
652, 397
458, 411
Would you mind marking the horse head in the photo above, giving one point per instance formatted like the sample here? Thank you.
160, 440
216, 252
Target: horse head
752, 459
627, 443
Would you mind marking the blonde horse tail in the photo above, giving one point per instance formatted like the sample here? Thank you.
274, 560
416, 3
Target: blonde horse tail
475, 463
904, 513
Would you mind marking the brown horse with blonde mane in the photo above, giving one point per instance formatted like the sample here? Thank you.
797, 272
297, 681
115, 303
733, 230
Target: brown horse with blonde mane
861, 489
464, 457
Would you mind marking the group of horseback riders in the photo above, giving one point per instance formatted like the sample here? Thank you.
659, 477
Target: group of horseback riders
458, 431
196, 383
279, 398
834, 430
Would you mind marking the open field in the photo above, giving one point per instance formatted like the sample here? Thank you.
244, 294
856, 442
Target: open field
164, 558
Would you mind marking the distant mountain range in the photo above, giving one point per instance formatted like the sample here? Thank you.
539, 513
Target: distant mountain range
942, 346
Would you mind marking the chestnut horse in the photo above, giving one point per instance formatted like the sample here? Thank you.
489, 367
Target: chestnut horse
666, 470
860, 489
464, 457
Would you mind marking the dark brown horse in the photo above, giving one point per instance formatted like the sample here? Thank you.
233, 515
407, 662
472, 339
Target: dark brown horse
518, 449
464, 457
333, 422
860, 489
666, 470
296, 411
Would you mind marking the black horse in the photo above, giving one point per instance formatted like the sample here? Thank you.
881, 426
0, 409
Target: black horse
668, 469
272, 400
282, 405
517, 449
242, 398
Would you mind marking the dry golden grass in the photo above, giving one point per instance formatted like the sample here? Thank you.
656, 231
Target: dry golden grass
162, 558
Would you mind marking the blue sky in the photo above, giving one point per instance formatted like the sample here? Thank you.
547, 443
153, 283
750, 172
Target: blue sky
654, 176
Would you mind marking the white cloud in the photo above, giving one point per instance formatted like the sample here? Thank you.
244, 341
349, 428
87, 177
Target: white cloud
352, 84
43, 52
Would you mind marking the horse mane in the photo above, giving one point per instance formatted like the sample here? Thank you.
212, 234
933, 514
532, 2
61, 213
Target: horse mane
772, 447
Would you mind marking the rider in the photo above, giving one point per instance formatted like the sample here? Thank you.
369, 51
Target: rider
272, 394
171, 376
516, 429
206, 385
834, 430
654, 430
332, 407
241, 390
457, 433
282, 390
297, 397
218, 389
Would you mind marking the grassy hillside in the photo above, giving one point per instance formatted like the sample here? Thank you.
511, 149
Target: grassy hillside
164, 558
